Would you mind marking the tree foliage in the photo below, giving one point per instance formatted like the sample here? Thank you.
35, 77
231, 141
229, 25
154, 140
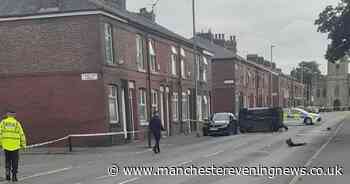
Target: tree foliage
309, 70
335, 21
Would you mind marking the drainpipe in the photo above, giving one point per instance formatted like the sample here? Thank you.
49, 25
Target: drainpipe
149, 91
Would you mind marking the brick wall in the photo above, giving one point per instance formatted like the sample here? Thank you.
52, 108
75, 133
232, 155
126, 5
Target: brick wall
41, 63
49, 45
55, 105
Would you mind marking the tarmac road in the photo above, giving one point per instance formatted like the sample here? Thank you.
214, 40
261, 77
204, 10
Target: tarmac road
89, 166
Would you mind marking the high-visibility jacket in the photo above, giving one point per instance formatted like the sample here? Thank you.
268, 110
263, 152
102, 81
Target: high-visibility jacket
11, 134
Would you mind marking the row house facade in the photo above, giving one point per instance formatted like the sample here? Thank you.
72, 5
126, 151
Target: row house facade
246, 82
94, 67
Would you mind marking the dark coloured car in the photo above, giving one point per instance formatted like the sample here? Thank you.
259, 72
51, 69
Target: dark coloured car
223, 123
260, 119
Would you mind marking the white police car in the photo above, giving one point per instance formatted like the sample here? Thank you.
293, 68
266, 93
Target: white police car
302, 116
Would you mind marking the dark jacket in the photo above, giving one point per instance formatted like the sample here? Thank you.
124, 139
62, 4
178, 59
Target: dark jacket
156, 126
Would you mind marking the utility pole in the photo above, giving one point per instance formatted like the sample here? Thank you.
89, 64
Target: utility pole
196, 65
271, 78
302, 82
149, 88
271, 49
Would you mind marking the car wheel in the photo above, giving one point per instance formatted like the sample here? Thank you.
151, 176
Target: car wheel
308, 121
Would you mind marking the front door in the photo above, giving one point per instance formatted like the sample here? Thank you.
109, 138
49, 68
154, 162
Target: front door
167, 112
162, 113
132, 108
124, 107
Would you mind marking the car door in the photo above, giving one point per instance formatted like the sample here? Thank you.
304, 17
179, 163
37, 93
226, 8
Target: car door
292, 117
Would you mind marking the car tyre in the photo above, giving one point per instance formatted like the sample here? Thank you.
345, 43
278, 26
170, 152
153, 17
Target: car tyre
308, 121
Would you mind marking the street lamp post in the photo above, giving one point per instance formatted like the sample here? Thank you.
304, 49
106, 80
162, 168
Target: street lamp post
196, 65
271, 49
271, 78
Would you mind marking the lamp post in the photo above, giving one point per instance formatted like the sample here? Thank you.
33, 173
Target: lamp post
195, 65
271, 56
271, 78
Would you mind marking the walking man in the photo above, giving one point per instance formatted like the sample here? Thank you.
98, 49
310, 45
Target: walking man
156, 127
12, 140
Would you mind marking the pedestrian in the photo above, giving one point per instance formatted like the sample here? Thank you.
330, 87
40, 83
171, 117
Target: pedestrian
12, 140
156, 128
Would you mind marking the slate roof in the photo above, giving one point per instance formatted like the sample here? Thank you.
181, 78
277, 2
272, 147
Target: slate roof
223, 53
10, 8
218, 51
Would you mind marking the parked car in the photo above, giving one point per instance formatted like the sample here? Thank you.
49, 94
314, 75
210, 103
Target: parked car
260, 119
299, 115
223, 123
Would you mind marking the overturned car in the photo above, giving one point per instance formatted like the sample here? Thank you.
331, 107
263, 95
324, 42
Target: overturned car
261, 119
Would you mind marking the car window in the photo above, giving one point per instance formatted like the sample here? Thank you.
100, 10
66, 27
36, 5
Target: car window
221, 117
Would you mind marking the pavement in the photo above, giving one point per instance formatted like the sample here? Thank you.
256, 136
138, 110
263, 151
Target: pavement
90, 166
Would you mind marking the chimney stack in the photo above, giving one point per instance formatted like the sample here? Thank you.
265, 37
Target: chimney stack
147, 14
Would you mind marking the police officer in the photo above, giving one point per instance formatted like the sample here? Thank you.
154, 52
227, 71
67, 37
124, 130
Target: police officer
156, 127
12, 139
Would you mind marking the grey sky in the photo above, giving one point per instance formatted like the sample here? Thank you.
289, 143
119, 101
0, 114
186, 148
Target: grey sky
256, 23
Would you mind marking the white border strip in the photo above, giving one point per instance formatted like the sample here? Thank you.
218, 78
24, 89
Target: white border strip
55, 15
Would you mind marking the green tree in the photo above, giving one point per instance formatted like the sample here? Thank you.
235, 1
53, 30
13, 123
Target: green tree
309, 72
335, 21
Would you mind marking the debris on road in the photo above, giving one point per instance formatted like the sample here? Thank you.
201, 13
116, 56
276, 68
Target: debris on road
290, 143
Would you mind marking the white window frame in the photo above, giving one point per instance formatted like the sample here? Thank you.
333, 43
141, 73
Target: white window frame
183, 69
174, 50
140, 53
205, 69
155, 98
113, 101
152, 55
205, 61
182, 51
199, 108
205, 107
173, 62
197, 65
185, 106
109, 49
175, 107
143, 104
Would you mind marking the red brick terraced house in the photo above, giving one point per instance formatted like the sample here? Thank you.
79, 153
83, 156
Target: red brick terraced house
250, 82
91, 66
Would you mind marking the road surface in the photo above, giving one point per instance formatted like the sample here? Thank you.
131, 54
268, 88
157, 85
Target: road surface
89, 166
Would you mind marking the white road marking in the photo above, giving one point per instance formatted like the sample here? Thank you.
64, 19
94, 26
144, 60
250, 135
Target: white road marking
213, 154
309, 162
46, 173
102, 177
130, 180
184, 163
140, 152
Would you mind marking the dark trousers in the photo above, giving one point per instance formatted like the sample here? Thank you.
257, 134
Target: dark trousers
156, 145
11, 163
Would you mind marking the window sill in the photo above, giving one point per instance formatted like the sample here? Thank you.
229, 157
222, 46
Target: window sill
144, 123
114, 122
141, 70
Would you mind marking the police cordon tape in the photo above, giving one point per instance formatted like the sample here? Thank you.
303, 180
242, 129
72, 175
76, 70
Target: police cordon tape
80, 135
68, 137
